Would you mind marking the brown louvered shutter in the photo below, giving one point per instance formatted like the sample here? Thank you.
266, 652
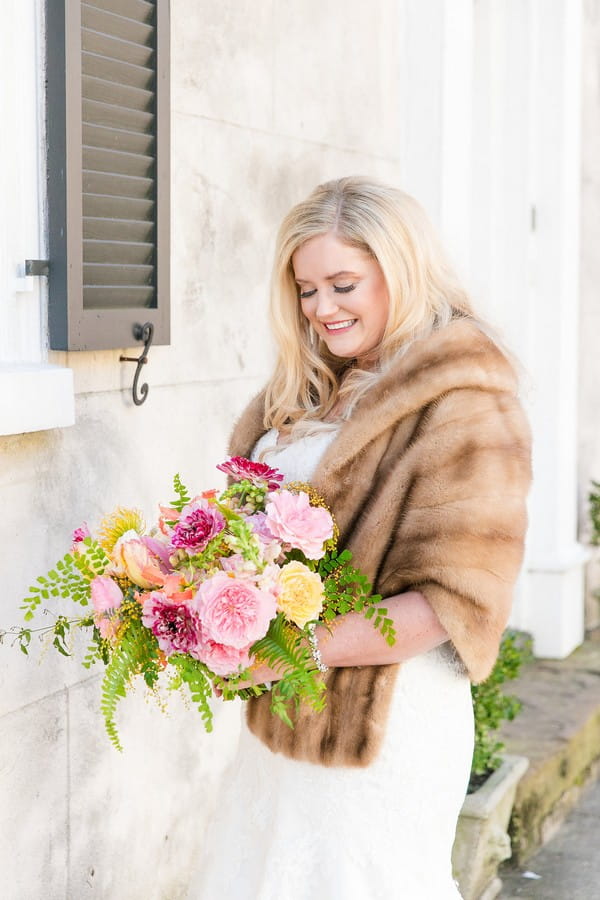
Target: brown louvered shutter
108, 166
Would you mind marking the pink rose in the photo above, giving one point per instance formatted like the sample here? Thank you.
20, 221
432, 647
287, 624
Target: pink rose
233, 610
292, 519
106, 594
221, 659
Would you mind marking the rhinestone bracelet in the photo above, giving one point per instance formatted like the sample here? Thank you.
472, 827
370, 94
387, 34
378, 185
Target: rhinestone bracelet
314, 648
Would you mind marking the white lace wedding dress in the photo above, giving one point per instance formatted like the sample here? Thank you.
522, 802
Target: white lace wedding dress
290, 830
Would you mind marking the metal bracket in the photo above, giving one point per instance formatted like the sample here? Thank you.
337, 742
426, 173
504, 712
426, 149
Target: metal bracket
37, 267
141, 333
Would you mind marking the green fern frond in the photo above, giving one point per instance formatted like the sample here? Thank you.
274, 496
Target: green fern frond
194, 673
183, 497
285, 649
136, 653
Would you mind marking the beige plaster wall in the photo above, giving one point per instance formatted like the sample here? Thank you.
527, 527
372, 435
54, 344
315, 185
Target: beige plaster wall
268, 99
589, 371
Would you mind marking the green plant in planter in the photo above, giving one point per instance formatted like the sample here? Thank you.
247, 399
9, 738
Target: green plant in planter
491, 706
594, 499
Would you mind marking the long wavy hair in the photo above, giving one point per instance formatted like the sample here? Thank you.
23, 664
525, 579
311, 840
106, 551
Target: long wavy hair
309, 384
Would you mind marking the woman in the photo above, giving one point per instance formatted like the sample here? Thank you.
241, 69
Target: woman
389, 396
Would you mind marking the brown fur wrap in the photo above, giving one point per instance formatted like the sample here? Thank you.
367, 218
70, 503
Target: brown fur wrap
427, 481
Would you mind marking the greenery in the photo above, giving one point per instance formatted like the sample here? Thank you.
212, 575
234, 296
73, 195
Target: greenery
491, 706
594, 500
70, 578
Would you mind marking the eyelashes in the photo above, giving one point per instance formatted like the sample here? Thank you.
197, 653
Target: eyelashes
304, 295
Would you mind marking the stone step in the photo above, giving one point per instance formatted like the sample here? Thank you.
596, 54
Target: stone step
558, 730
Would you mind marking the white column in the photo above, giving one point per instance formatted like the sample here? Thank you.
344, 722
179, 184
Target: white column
555, 558
435, 114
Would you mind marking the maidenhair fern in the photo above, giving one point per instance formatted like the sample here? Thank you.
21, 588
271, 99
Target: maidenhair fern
347, 589
70, 578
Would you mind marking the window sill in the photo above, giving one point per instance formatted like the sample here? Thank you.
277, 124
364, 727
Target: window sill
35, 397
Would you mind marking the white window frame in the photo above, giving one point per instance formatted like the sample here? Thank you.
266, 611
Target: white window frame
34, 394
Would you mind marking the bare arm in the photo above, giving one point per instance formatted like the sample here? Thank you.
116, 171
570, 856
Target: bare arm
355, 642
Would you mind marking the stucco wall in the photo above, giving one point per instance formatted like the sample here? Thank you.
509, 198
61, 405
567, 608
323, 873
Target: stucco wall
589, 372
268, 100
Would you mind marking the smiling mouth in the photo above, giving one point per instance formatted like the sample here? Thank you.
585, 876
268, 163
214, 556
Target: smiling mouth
339, 326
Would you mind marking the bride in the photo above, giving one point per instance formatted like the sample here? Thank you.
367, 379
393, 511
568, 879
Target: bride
391, 398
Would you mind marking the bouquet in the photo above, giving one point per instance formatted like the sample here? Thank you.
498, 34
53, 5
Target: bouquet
222, 583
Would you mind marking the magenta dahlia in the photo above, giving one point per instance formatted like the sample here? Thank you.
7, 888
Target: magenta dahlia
258, 473
199, 523
175, 626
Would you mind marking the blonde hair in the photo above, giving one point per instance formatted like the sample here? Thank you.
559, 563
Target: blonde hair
424, 294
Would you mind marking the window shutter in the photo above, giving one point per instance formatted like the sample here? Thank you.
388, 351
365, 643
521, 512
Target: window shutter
108, 171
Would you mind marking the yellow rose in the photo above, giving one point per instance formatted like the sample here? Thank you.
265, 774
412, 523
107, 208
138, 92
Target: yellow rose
301, 593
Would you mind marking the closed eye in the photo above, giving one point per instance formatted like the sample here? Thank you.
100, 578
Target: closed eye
338, 289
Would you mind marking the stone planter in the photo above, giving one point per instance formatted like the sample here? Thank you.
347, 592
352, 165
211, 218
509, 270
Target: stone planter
482, 840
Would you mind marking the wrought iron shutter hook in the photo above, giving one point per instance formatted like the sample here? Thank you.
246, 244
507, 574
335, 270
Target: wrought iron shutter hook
141, 333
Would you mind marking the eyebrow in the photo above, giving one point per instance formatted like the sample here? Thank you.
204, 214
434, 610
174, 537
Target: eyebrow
329, 277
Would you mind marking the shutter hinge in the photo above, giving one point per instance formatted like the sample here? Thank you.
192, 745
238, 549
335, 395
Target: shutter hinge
37, 267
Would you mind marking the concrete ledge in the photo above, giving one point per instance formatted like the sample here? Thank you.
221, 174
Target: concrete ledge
558, 730
35, 397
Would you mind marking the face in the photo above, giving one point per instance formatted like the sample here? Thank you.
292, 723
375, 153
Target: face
343, 295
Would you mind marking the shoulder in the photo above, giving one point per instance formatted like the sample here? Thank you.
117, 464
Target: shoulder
249, 427
459, 355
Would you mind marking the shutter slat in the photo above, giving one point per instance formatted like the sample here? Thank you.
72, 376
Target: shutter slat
113, 161
111, 185
118, 252
113, 70
116, 48
95, 113
118, 139
117, 207
117, 94
116, 25
105, 229
104, 274
140, 10
118, 296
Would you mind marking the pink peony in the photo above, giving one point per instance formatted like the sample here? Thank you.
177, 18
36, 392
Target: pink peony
233, 610
258, 473
198, 524
223, 660
175, 625
106, 594
292, 519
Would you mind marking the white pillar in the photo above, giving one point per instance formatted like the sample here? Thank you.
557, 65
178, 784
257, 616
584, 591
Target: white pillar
555, 558
436, 115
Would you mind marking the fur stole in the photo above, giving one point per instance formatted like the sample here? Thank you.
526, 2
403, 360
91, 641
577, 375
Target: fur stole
427, 481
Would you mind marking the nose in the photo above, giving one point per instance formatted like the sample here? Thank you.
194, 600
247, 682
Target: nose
326, 304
